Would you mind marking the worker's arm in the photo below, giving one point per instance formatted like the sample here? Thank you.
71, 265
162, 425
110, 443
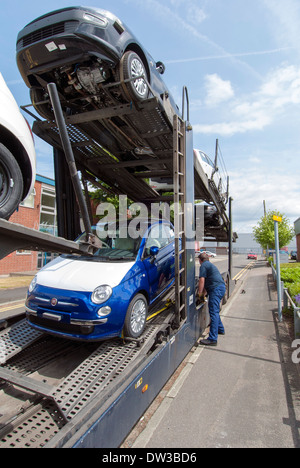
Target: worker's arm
201, 289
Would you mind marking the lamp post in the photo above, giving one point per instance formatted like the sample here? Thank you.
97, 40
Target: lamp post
278, 219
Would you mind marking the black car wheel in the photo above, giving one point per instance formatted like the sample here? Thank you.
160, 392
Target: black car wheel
132, 67
135, 320
11, 183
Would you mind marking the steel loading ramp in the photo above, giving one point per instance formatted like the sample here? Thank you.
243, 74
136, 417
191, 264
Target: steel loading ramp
127, 144
49, 413
16, 237
125, 163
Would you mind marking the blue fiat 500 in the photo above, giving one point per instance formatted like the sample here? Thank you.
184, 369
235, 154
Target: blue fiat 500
109, 293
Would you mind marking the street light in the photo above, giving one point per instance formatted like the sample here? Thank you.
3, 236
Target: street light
278, 219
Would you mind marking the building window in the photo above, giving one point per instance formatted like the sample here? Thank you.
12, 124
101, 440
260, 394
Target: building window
29, 202
48, 210
44, 258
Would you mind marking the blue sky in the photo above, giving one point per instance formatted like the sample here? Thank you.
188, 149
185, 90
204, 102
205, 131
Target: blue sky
240, 62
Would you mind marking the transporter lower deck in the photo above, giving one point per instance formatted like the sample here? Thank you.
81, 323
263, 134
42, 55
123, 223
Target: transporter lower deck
46, 382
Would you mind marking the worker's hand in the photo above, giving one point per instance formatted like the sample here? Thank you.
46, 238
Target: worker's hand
199, 298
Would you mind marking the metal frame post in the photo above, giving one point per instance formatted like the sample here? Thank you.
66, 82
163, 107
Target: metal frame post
60, 121
230, 239
68, 216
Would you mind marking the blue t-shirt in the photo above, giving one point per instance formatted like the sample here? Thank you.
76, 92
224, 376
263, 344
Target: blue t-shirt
213, 277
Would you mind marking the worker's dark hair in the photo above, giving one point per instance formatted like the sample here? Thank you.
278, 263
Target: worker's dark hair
203, 257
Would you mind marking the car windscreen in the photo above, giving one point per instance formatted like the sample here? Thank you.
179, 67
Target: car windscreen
206, 159
114, 244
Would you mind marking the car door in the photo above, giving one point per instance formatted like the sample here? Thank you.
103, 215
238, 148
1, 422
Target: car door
160, 269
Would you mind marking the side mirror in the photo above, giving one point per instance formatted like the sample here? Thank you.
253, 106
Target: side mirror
154, 251
160, 67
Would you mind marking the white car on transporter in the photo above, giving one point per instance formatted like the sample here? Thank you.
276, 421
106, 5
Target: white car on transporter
165, 184
17, 154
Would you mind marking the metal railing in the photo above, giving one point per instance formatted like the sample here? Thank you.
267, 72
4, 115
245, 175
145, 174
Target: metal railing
288, 302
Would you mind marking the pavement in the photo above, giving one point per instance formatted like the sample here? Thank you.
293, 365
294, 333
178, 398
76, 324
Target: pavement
12, 295
245, 393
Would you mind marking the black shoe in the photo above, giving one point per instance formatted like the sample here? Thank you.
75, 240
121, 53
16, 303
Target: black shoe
208, 342
221, 333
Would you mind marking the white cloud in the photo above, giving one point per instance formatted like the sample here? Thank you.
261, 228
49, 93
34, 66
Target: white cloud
280, 91
195, 14
278, 190
190, 9
217, 90
234, 127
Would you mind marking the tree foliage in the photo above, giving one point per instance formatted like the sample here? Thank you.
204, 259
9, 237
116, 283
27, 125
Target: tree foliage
264, 233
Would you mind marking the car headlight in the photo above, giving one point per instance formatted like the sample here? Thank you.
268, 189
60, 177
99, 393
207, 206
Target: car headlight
32, 284
99, 20
101, 294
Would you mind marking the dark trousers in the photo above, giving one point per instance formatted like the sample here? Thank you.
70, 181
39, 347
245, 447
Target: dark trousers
214, 300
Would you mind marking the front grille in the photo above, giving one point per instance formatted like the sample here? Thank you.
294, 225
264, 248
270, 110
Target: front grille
49, 31
61, 326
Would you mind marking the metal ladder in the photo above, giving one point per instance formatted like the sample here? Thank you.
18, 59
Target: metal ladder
179, 175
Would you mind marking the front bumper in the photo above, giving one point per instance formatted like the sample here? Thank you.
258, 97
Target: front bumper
53, 324
74, 315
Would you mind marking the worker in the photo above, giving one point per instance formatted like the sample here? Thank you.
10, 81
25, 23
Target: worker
211, 283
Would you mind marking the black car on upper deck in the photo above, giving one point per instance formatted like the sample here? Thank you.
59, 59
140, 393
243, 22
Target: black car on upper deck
92, 57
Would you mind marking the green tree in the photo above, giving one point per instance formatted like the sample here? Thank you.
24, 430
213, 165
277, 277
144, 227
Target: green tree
264, 233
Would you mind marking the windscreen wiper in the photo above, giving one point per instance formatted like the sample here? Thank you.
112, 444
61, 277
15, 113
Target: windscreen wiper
121, 258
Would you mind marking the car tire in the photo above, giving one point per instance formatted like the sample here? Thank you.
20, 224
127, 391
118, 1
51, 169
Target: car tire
11, 183
44, 110
132, 66
136, 316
